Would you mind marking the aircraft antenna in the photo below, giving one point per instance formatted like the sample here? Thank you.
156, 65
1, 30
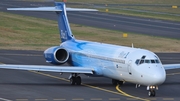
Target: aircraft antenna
132, 45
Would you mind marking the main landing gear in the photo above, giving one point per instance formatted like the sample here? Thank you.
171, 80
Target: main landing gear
117, 82
152, 92
75, 79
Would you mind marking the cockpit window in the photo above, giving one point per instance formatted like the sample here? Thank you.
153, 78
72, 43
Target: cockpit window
141, 62
157, 61
138, 61
147, 61
153, 61
143, 57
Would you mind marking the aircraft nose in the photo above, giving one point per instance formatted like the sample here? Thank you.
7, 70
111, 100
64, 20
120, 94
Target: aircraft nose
158, 78
154, 77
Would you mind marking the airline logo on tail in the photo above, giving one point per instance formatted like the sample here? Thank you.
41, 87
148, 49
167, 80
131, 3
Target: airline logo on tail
63, 35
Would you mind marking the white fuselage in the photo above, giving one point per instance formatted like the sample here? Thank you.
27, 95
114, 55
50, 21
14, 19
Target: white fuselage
117, 62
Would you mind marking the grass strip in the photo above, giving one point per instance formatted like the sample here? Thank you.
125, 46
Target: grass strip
28, 33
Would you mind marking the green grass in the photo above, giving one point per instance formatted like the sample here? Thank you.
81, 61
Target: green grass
27, 33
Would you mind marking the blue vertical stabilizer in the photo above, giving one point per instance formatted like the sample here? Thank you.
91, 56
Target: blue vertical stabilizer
63, 23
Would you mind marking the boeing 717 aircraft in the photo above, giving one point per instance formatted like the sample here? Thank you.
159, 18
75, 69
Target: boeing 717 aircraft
120, 63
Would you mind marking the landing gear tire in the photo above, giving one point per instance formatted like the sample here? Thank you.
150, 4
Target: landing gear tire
117, 82
114, 82
78, 80
152, 93
72, 80
75, 79
120, 82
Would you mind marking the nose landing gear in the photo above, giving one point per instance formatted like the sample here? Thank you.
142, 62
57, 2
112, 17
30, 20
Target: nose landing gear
152, 92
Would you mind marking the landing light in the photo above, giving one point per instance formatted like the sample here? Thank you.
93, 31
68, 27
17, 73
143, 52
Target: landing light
152, 87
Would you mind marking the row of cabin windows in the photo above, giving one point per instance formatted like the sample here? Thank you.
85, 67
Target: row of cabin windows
138, 61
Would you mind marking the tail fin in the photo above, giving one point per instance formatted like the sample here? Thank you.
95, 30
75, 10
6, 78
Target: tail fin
63, 23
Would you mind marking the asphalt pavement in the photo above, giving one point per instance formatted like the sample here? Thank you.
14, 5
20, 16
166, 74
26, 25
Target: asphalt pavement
46, 86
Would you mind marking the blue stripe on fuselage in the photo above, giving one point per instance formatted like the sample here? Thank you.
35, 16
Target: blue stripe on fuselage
93, 54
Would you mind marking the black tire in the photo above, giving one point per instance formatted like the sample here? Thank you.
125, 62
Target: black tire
114, 82
152, 93
149, 94
78, 80
72, 80
120, 83
117, 82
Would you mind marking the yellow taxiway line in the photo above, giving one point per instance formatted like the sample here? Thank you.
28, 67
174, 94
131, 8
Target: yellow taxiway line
120, 92
128, 95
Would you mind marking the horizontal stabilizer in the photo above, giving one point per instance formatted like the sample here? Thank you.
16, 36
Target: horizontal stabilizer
49, 9
60, 69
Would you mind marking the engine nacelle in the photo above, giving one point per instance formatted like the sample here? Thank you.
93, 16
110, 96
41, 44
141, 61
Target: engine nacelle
56, 55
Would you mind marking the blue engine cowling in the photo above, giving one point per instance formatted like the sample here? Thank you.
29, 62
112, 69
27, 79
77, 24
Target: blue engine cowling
56, 55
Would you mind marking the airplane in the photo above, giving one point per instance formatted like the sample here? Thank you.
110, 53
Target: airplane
120, 63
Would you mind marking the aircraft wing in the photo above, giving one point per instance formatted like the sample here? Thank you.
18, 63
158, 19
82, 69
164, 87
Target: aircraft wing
49, 9
61, 69
171, 66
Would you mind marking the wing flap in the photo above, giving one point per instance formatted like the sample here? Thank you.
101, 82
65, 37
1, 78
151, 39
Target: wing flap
171, 66
62, 69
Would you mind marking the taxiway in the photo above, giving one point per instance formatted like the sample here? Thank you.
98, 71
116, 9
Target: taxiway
30, 86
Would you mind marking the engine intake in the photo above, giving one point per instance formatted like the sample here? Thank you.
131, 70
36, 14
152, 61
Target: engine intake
56, 55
